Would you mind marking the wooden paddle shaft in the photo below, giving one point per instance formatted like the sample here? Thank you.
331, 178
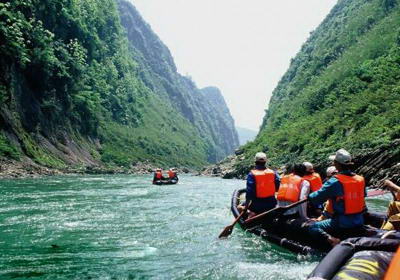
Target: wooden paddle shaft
241, 214
282, 208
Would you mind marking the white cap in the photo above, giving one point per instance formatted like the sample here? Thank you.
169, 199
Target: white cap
261, 157
308, 165
342, 156
330, 170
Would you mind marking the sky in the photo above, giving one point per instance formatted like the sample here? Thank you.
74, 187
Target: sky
243, 47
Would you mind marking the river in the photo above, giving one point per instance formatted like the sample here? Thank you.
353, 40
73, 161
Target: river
122, 227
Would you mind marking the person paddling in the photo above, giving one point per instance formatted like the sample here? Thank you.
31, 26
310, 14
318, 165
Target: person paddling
172, 175
292, 189
158, 176
346, 193
262, 183
393, 213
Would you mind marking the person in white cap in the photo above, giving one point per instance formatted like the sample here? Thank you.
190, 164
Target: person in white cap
262, 183
346, 194
330, 171
158, 176
313, 177
172, 175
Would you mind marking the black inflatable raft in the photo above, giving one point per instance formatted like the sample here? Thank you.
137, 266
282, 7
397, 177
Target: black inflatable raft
293, 234
165, 182
357, 258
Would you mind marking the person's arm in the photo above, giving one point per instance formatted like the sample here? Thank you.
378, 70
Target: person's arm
305, 190
277, 181
331, 189
393, 187
250, 188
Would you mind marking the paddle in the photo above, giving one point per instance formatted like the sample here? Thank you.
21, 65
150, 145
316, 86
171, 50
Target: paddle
277, 211
280, 210
228, 230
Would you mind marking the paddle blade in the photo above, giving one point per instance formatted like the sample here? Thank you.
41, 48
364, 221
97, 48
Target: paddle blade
226, 232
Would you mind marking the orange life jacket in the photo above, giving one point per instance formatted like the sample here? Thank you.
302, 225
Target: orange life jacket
171, 174
265, 182
394, 268
315, 181
159, 175
290, 188
354, 193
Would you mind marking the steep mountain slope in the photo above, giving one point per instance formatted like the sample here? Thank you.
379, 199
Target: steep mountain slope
341, 90
75, 91
205, 109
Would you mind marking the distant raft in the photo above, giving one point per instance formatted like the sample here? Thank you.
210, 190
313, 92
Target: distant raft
166, 182
360, 258
293, 234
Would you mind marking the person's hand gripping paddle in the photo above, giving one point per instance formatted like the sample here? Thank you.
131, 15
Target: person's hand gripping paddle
228, 230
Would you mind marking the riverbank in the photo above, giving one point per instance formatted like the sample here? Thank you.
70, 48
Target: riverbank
12, 169
376, 165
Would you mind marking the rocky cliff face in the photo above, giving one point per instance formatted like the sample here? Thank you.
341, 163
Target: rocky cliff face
217, 115
89, 83
205, 109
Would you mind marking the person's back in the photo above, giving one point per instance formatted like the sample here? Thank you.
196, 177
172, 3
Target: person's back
158, 176
292, 189
345, 192
312, 177
172, 174
346, 195
262, 183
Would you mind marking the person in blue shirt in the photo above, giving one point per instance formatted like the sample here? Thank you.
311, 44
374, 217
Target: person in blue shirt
262, 183
345, 193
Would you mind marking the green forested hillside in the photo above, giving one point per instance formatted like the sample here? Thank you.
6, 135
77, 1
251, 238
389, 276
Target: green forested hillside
205, 109
73, 90
341, 90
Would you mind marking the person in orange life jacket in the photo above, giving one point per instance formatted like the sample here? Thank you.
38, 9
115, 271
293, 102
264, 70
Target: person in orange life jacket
315, 184
172, 175
330, 171
292, 189
346, 194
262, 183
312, 177
158, 176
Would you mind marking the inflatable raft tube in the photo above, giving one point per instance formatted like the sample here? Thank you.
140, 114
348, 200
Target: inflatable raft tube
293, 234
166, 182
357, 258
282, 241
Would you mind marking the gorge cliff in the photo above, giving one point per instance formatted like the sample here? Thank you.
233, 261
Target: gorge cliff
89, 83
342, 90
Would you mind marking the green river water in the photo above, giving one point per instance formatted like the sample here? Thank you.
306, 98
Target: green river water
122, 227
